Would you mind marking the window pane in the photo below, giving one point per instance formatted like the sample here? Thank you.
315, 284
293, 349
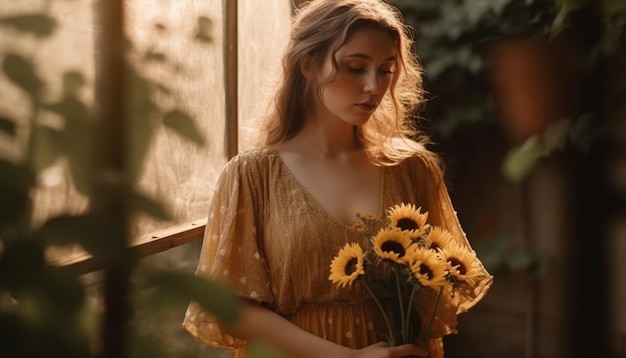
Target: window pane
190, 68
58, 46
178, 49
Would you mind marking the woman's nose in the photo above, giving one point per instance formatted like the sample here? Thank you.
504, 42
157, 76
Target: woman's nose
372, 83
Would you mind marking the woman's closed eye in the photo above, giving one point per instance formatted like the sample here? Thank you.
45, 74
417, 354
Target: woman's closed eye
356, 69
360, 70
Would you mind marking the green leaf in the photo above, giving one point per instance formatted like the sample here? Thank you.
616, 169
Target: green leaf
7, 126
614, 7
14, 177
39, 319
40, 25
555, 136
21, 72
64, 295
519, 161
66, 230
216, 298
154, 346
88, 231
184, 125
15, 184
22, 264
585, 131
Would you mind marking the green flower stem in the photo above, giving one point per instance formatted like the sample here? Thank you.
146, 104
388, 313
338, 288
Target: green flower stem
403, 323
392, 336
422, 291
409, 310
432, 317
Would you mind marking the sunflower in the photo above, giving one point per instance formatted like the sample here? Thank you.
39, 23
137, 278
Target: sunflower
437, 238
462, 264
408, 218
427, 267
347, 266
391, 244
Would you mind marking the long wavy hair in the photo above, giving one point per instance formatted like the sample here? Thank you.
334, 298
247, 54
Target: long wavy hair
320, 27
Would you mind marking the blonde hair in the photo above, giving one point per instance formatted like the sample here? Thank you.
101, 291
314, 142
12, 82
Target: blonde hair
321, 26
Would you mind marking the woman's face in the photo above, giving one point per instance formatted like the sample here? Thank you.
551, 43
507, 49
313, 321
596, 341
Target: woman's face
366, 63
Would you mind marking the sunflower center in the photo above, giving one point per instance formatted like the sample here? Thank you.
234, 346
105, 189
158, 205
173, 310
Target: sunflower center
426, 271
393, 246
351, 266
459, 265
407, 224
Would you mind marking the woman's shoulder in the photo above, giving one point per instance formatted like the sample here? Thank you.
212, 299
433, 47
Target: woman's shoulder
254, 155
252, 160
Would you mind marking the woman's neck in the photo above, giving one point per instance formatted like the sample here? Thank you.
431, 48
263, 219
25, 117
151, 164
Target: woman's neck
324, 140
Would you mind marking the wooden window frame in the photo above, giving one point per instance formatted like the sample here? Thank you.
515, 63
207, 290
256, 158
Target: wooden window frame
81, 263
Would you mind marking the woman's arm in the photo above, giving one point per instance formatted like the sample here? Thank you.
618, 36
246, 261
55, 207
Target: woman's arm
262, 323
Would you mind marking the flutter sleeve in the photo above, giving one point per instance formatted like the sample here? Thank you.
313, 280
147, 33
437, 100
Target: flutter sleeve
437, 201
231, 252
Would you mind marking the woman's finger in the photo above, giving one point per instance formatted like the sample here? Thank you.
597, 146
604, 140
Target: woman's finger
409, 350
381, 344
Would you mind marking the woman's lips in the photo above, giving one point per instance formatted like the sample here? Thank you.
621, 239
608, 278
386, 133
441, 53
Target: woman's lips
367, 106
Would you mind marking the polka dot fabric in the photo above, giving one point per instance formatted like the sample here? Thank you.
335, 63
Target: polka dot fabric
272, 243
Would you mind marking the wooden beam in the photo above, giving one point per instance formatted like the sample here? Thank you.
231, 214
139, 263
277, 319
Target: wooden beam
111, 148
231, 78
82, 262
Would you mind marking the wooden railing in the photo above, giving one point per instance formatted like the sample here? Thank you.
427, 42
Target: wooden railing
81, 263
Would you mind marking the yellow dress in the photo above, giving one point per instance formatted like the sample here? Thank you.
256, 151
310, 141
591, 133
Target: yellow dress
272, 242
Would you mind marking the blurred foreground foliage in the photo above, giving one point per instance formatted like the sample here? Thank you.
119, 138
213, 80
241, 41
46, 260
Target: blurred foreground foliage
47, 311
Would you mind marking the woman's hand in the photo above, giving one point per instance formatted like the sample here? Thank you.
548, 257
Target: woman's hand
264, 324
382, 350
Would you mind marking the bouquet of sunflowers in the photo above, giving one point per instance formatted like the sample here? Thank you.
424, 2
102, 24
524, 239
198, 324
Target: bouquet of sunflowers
406, 261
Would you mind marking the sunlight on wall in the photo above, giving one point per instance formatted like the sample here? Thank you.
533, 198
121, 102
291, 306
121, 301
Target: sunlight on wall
177, 172
193, 73
197, 76
261, 40
68, 48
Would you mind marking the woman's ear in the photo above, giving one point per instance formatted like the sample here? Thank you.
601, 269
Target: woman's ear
306, 66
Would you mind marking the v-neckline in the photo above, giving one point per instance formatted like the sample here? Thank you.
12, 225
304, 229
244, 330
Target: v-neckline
320, 208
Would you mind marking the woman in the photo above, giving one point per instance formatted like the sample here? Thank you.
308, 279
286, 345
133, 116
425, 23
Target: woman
338, 141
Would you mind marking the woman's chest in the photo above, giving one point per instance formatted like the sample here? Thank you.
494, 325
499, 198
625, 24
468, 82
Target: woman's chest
339, 188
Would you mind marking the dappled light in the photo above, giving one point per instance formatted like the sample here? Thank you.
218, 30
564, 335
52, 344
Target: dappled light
525, 100
174, 119
176, 55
